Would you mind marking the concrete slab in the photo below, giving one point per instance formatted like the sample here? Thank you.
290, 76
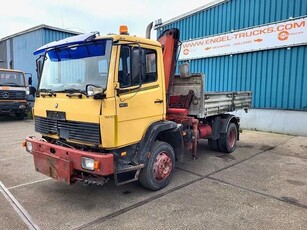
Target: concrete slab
54, 205
295, 146
278, 175
11, 129
11, 136
209, 161
12, 150
9, 218
18, 170
16, 165
208, 204
261, 140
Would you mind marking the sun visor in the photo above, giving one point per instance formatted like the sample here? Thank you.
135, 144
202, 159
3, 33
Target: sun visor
67, 41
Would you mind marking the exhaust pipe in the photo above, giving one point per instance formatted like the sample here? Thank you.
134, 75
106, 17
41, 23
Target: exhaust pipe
148, 30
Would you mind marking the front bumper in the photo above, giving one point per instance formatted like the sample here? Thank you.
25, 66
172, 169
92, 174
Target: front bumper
11, 107
62, 163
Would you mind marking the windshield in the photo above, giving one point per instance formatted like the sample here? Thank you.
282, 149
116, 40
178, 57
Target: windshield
76, 66
8, 78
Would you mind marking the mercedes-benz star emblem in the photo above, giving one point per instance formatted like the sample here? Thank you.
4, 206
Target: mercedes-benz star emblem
5, 95
56, 105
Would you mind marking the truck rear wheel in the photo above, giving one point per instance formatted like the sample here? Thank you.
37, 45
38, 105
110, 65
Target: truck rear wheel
158, 171
227, 142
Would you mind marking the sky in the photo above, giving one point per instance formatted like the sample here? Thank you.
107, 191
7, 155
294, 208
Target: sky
86, 16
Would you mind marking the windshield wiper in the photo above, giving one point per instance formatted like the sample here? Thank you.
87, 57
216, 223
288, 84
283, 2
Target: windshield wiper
46, 92
75, 92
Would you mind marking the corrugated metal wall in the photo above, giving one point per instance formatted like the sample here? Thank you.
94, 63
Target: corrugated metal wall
25, 44
23, 47
3, 55
278, 78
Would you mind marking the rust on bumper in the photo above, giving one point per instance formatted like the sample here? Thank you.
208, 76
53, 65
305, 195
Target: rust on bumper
60, 162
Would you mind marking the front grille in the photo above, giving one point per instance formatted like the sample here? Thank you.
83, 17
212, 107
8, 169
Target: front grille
12, 94
69, 130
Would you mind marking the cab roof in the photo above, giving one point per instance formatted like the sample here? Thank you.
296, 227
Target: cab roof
79, 39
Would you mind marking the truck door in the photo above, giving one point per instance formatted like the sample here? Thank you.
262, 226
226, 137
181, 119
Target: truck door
140, 97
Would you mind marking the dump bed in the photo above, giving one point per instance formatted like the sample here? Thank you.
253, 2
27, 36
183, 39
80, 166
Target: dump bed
206, 104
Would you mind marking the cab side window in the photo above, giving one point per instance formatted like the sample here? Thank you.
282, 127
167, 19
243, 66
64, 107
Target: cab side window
124, 75
146, 68
151, 66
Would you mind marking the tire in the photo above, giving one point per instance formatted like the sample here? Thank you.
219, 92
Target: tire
227, 142
20, 116
158, 171
213, 145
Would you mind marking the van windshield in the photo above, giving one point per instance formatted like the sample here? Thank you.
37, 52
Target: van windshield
76, 66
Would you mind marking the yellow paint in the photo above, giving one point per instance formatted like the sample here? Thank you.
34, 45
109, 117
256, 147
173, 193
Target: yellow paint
76, 109
140, 109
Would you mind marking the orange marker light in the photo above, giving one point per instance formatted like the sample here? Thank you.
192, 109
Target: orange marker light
123, 29
96, 165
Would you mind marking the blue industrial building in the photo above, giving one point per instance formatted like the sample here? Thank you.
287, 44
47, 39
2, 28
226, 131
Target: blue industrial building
275, 73
16, 51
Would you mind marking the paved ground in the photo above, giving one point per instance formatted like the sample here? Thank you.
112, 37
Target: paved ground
262, 185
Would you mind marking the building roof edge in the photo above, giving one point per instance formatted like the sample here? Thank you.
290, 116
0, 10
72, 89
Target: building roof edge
42, 26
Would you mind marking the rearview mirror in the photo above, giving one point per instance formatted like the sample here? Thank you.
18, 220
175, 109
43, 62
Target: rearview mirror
184, 70
39, 66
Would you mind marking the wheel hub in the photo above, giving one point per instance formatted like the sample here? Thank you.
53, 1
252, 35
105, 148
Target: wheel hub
232, 138
163, 166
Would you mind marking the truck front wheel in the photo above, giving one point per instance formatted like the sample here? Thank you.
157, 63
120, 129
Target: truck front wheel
158, 171
20, 116
227, 142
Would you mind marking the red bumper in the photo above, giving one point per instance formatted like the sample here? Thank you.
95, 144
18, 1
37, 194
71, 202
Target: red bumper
60, 162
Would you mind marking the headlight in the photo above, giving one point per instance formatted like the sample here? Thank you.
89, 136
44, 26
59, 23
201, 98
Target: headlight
87, 163
29, 147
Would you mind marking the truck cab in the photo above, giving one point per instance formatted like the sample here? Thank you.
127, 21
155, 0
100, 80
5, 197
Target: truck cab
14, 90
108, 86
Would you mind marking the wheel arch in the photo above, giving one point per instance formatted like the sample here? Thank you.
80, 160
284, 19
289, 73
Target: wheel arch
174, 138
220, 124
166, 131
226, 120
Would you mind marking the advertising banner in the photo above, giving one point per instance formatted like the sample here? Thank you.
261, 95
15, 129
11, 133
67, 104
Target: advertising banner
271, 36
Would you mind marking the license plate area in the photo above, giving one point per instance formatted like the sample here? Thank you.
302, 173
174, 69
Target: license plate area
54, 167
56, 115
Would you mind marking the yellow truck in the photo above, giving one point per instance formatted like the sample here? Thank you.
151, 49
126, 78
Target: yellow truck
111, 107
14, 90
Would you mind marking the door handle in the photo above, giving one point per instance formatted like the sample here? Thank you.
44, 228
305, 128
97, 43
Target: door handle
158, 101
